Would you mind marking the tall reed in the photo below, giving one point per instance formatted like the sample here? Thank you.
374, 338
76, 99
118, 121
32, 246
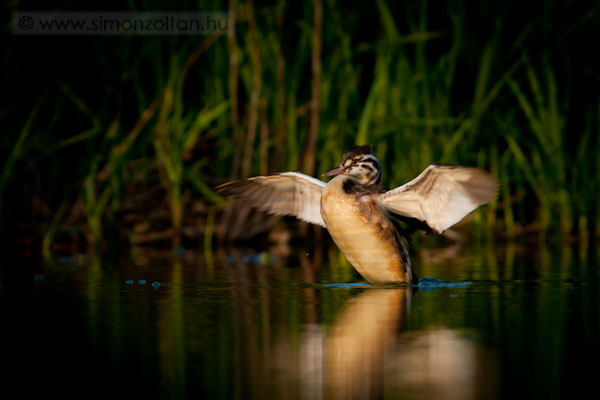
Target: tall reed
292, 86
176, 133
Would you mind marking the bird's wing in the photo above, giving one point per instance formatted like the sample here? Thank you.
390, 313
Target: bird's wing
441, 195
286, 193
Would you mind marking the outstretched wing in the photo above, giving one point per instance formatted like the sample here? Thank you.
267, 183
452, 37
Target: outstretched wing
441, 195
286, 193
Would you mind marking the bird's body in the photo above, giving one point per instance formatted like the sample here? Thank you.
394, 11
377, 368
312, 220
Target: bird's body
364, 232
359, 214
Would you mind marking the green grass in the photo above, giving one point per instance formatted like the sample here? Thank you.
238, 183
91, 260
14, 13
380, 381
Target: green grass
176, 134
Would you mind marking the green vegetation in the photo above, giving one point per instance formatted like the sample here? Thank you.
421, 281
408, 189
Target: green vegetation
120, 139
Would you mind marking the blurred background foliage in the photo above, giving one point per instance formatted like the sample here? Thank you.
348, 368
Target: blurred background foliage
121, 138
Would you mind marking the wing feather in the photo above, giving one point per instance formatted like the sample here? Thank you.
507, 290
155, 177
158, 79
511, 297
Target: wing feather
286, 193
441, 195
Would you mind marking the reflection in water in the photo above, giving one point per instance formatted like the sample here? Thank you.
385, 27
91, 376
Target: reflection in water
273, 328
171, 346
365, 355
443, 364
361, 337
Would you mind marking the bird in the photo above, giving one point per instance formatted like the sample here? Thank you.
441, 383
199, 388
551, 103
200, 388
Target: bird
361, 216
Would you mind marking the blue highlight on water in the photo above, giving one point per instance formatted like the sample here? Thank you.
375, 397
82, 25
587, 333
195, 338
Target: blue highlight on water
347, 285
260, 258
425, 284
154, 284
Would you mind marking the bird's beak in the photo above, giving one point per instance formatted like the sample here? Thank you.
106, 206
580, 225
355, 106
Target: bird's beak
335, 171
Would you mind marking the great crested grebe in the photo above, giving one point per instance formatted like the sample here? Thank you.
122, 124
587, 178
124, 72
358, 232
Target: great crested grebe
359, 214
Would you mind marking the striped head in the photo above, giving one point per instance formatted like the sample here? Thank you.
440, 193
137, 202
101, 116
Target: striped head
360, 163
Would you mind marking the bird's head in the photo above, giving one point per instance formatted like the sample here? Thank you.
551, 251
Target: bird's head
360, 163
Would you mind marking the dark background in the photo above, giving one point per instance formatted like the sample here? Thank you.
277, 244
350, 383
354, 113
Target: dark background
120, 138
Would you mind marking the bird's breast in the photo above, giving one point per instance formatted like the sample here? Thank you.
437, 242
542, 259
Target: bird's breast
364, 233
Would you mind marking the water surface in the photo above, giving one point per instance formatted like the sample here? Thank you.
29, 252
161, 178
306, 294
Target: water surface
241, 324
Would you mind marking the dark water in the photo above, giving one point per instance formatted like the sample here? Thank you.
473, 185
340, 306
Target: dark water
231, 324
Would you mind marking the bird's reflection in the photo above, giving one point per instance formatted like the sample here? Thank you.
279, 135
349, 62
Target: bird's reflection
367, 350
359, 340
442, 364
367, 355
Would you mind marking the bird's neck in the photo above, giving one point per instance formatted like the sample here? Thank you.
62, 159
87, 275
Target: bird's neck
350, 185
